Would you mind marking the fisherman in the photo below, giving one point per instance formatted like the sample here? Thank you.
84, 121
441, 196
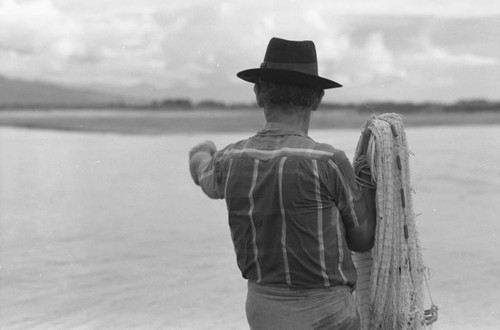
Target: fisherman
295, 210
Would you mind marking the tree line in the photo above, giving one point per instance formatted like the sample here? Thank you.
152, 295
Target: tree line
471, 105
377, 107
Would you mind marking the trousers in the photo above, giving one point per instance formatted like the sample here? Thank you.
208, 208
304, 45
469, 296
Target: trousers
273, 307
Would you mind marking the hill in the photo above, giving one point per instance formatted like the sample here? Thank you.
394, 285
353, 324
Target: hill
23, 93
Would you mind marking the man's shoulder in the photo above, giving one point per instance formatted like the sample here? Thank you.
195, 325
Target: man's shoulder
327, 147
228, 149
336, 155
241, 144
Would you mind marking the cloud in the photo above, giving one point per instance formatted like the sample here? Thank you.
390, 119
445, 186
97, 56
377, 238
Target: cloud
429, 8
403, 50
42, 39
199, 44
33, 27
37, 38
438, 65
368, 63
439, 56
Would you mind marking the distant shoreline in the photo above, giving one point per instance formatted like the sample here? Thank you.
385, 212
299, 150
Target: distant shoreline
154, 122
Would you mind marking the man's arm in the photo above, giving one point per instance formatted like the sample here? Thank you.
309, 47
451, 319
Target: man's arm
199, 155
202, 166
362, 238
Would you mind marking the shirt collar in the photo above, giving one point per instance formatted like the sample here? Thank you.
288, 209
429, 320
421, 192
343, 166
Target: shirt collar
273, 128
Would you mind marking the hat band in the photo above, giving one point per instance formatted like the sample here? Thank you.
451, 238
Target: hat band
311, 68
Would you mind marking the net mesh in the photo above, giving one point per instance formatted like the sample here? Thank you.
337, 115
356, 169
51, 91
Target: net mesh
390, 287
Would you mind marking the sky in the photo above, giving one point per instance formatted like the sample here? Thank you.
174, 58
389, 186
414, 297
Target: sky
380, 50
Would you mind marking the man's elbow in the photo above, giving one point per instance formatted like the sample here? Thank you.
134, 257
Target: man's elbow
360, 246
211, 193
361, 239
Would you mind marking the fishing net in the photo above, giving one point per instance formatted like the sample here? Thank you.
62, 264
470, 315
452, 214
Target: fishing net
390, 284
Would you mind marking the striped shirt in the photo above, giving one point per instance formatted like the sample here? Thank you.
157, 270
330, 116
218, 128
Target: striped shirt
289, 200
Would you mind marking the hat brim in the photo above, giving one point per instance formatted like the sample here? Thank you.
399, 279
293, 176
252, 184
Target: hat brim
286, 77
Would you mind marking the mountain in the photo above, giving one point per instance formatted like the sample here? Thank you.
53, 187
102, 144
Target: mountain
23, 93
217, 91
145, 92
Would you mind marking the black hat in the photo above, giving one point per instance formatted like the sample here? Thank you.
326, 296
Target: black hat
292, 62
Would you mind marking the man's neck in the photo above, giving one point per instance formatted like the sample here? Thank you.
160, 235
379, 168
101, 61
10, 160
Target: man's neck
299, 118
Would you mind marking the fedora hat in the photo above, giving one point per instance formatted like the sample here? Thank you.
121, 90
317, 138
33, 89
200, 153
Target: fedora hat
292, 62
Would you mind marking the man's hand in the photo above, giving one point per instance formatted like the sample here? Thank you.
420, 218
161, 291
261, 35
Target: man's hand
206, 146
366, 138
197, 155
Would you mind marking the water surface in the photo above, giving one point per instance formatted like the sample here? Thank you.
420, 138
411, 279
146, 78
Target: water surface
103, 231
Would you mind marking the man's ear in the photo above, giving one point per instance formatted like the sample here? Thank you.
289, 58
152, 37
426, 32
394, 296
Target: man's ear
316, 104
257, 96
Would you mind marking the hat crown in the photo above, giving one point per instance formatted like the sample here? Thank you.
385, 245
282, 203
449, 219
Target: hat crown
299, 56
287, 51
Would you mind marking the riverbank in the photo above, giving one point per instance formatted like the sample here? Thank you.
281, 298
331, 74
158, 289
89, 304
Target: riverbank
215, 121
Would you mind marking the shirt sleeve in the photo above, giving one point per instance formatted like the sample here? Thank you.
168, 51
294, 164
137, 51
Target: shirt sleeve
208, 177
344, 191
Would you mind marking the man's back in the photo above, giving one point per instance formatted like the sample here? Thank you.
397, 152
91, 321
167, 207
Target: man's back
289, 199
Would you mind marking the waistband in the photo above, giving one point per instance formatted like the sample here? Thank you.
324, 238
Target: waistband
296, 292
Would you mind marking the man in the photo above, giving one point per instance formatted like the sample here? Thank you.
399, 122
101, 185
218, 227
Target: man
295, 211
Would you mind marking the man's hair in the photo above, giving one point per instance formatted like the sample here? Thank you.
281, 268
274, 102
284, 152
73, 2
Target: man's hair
278, 94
